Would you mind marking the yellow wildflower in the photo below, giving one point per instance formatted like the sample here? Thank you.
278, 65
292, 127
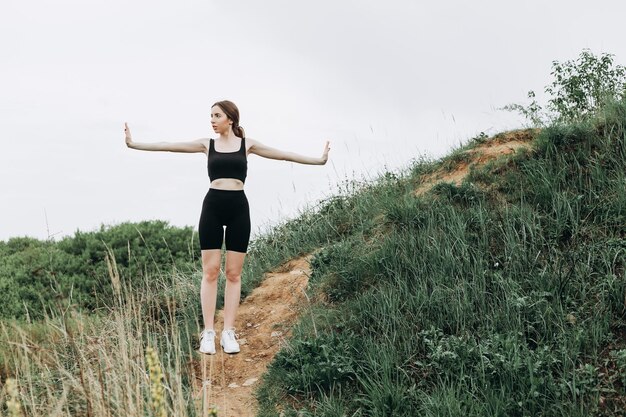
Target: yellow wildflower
157, 393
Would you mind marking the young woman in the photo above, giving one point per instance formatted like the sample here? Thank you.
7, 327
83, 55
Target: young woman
225, 204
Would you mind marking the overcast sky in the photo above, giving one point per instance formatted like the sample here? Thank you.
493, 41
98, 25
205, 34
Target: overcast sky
384, 81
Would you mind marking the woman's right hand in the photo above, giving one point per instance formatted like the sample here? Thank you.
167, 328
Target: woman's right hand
128, 138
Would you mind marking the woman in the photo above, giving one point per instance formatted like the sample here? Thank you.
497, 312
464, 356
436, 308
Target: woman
225, 204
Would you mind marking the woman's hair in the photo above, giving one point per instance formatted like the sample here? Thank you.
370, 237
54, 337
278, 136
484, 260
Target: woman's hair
232, 112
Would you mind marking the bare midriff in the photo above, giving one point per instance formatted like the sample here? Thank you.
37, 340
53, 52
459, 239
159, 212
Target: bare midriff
232, 184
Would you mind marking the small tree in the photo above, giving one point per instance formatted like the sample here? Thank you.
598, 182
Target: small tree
578, 90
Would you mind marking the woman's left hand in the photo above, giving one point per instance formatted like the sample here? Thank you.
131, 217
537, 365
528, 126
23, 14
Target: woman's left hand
324, 157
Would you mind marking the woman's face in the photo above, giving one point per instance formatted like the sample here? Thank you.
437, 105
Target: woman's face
219, 121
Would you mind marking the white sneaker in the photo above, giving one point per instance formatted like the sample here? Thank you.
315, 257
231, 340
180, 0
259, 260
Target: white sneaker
228, 341
207, 341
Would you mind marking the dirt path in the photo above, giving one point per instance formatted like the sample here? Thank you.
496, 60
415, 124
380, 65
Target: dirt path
264, 320
494, 148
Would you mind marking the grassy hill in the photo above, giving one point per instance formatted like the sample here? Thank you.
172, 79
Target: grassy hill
491, 282
500, 294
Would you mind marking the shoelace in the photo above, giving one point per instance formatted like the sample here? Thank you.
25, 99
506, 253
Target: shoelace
231, 334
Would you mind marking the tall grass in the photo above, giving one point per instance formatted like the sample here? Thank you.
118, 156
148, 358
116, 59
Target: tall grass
70, 364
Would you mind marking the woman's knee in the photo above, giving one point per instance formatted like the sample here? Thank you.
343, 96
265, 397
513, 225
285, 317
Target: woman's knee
233, 274
210, 272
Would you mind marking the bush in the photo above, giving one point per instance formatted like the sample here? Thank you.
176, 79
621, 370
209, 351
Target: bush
579, 89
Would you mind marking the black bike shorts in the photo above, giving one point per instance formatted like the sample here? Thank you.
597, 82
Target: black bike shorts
225, 208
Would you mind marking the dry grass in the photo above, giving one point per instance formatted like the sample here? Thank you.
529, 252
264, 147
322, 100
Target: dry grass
74, 365
129, 363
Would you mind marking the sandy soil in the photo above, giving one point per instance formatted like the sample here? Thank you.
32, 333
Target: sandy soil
505, 144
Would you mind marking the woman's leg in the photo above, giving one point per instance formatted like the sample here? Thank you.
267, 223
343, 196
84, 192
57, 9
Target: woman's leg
208, 287
211, 233
232, 292
237, 237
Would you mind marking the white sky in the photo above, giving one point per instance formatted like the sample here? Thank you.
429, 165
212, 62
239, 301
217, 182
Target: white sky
385, 82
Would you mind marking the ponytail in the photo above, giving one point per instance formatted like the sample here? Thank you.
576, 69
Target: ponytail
239, 132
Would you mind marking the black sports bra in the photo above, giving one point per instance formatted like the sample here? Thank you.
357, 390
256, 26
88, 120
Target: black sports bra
227, 164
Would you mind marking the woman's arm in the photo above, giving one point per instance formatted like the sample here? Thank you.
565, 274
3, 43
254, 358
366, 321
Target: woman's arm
271, 153
199, 145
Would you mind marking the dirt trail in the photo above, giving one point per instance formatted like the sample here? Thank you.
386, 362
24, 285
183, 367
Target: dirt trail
264, 320
494, 148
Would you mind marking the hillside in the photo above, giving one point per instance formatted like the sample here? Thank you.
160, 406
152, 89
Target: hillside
499, 290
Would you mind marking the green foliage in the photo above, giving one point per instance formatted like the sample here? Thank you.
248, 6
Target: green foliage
339, 285
407, 212
579, 89
38, 276
465, 194
315, 365
619, 356
533, 112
